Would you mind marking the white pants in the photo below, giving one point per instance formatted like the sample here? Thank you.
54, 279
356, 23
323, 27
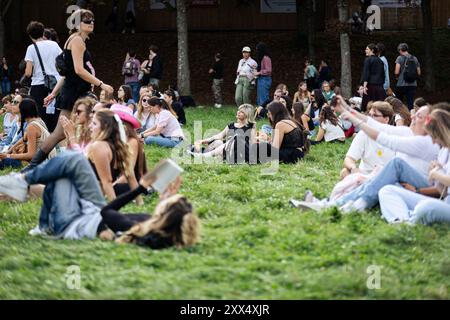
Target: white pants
400, 205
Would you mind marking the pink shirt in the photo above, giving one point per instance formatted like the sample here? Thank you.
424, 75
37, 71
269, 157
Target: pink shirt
169, 124
266, 66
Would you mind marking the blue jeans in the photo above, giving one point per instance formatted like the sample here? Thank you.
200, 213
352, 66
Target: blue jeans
6, 86
161, 141
263, 89
396, 171
10, 163
68, 177
135, 87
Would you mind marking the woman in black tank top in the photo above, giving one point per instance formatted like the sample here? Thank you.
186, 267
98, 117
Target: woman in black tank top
78, 81
289, 138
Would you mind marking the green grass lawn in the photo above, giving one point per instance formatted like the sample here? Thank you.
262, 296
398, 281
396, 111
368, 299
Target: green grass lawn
254, 245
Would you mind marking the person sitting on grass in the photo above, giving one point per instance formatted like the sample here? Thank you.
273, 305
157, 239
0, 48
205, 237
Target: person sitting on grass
9, 117
289, 139
167, 131
298, 114
74, 207
33, 136
315, 107
14, 135
415, 205
415, 151
144, 114
173, 104
77, 130
367, 151
216, 145
330, 129
402, 114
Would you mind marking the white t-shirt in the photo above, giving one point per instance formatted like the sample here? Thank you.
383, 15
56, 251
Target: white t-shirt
332, 132
171, 126
8, 121
369, 152
49, 50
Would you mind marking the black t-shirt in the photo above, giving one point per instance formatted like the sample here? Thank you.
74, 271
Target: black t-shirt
218, 70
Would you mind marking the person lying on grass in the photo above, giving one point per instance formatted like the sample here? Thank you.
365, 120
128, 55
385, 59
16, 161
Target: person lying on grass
74, 206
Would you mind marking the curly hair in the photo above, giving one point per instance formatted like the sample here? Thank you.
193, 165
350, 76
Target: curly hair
110, 133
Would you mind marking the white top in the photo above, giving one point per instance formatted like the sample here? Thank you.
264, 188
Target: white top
332, 132
393, 130
8, 122
49, 50
370, 153
417, 151
247, 68
171, 126
148, 121
398, 117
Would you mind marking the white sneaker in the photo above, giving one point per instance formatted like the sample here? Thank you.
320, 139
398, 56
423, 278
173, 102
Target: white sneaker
14, 186
218, 106
309, 196
36, 231
347, 208
308, 206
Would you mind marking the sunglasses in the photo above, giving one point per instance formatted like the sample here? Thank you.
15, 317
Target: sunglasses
145, 100
15, 102
88, 21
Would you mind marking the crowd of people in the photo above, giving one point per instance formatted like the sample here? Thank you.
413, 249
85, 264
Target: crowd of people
89, 150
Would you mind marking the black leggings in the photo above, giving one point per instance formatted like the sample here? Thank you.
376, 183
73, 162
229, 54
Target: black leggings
119, 222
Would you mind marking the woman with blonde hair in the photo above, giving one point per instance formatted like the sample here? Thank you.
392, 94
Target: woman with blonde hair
413, 205
217, 144
144, 113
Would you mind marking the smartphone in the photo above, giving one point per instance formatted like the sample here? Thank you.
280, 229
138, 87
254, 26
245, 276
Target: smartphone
165, 172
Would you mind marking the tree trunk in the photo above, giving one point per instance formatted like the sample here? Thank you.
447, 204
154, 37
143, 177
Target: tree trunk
346, 66
430, 83
306, 25
184, 84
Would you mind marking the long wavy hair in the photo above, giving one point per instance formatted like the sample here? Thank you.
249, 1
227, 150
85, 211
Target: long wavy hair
110, 133
83, 133
172, 224
401, 109
437, 125
328, 114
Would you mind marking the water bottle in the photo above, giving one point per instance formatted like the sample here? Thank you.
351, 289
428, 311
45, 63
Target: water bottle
51, 107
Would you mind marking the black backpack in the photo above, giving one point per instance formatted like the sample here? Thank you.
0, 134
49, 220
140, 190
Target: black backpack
410, 74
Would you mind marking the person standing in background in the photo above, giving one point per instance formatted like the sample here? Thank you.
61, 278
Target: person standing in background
6, 74
152, 68
407, 72
245, 80
217, 74
381, 54
264, 73
130, 70
372, 77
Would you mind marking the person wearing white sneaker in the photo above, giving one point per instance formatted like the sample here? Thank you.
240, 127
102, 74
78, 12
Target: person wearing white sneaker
420, 205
